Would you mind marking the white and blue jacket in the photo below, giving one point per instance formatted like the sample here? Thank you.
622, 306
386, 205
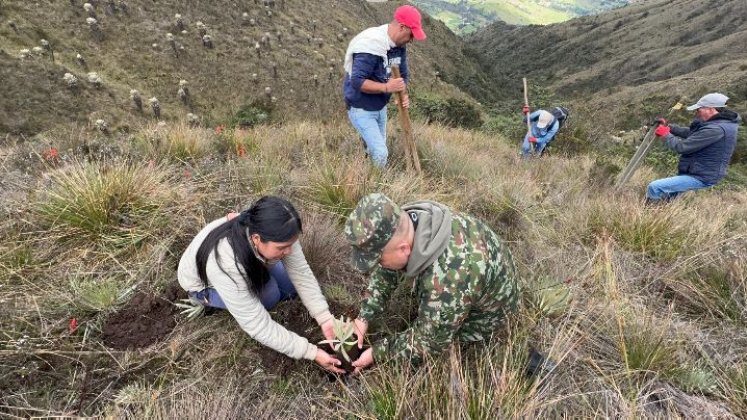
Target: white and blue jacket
370, 56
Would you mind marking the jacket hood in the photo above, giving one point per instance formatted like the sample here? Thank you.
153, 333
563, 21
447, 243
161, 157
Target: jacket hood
431, 237
728, 115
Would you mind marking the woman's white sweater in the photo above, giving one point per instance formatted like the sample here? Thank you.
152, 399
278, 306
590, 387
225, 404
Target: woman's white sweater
244, 305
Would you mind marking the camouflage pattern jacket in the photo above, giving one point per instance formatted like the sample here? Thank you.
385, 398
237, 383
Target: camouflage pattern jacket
463, 295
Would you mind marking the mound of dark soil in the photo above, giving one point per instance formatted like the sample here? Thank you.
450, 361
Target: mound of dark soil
145, 320
295, 317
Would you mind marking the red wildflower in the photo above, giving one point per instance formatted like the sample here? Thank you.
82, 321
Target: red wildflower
241, 150
51, 154
219, 129
73, 325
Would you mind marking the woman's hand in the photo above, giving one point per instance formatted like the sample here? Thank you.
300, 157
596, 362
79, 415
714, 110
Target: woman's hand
361, 326
327, 362
328, 329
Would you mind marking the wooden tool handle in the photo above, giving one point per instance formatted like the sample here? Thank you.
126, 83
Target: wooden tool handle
411, 151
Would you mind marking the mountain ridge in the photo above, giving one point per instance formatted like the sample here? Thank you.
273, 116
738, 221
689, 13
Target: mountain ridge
657, 48
464, 17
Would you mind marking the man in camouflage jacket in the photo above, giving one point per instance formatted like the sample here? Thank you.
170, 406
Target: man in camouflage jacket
463, 275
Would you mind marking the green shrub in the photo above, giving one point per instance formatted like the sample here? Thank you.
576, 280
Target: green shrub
571, 140
604, 172
454, 112
249, 115
662, 159
507, 125
740, 152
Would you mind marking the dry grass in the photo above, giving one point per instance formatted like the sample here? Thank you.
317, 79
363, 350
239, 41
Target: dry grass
642, 309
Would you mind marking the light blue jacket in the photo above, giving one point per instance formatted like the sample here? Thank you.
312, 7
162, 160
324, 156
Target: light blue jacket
543, 135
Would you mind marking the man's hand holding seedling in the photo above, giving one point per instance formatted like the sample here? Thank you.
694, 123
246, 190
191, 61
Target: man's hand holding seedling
364, 361
361, 326
366, 358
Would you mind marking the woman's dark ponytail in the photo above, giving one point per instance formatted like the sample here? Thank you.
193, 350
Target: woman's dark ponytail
273, 218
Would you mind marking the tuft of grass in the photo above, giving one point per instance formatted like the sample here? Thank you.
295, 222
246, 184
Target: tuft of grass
646, 347
177, 143
481, 380
321, 240
336, 186
239, 142
449, 160
665, 235
98, 295
715, 290
339, 294
733, 385
116, 205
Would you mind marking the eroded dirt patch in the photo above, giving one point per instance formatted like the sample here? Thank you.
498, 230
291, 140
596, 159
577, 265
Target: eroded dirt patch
295, 317
145, 320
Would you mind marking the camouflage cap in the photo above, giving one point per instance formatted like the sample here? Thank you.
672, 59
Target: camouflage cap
369, 227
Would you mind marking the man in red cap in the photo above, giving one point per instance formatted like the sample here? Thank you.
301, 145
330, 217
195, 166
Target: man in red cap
368, 84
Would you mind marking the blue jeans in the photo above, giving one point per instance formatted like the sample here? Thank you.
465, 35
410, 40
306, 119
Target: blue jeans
668, 188
526, 147
278, 288
371, 125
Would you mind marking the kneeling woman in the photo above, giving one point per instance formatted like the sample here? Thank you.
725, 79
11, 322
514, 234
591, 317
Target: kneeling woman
247, 264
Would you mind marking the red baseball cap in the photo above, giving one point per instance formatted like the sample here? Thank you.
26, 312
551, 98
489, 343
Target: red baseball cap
410, 17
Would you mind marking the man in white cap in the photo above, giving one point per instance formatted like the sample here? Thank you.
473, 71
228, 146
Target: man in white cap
705, 148
544, 127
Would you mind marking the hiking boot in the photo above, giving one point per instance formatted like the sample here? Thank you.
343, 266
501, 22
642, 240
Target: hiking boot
538, 365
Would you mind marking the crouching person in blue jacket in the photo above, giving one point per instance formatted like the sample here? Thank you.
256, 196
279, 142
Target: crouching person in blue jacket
544, 127
705, 148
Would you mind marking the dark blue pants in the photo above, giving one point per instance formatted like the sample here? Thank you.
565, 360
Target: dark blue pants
278, 288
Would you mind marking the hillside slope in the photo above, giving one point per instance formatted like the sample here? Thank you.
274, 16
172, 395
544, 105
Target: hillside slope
300, 59
467, 16
660, 50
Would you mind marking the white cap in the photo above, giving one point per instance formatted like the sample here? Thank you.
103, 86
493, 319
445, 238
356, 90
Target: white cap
544, 119
712, 100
